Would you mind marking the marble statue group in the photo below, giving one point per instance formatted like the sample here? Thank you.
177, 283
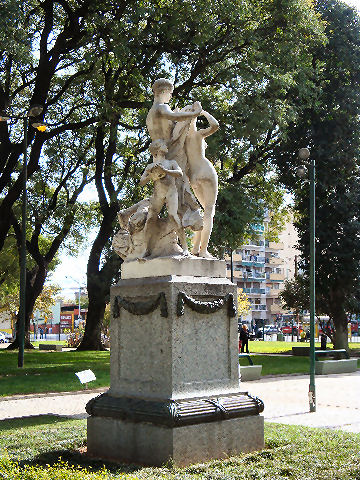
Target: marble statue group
183, 178
174, 366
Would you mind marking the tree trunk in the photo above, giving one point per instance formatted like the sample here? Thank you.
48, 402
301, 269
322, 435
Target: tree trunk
15, 344
92, 335
99, 282
35, 280
338, 314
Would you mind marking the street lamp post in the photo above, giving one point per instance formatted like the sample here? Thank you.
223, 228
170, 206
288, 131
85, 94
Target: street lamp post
231, 266
33, 111
304, 154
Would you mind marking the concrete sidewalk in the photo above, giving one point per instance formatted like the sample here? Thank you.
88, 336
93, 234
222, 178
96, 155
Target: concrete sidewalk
285, 398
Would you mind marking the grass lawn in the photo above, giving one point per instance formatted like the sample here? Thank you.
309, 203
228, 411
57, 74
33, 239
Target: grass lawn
50, 448
279, 364
51, 371
285, 347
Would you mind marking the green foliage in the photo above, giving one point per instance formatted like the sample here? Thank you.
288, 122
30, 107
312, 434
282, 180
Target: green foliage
92, 64
331, 130
9, 276
47, 299
235, 212
241, 206
295, 295
243, 303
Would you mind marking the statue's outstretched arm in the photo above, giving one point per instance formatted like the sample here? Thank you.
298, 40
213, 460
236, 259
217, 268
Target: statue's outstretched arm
213, 125
165, 111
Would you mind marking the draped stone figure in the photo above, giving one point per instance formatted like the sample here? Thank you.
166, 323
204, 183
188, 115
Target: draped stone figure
202, 176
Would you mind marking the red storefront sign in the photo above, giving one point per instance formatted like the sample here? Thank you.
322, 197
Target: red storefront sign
66, 320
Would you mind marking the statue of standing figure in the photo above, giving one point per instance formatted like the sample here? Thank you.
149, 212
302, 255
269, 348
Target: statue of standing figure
179, 169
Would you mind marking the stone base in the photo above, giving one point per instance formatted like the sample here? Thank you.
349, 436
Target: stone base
150, 444
177, 265
174, 369
326, 367
250, 372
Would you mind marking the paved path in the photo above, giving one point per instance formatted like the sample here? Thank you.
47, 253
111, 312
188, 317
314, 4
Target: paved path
285, 398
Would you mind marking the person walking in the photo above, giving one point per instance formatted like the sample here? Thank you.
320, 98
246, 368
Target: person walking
244, 337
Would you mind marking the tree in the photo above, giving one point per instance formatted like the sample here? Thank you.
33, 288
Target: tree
241, 206
295, 295
9, 276
217, 57
331, 130
47, 299
243, 303
248, 62
57, 221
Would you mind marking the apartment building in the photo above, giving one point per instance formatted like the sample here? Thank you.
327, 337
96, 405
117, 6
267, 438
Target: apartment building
260, 269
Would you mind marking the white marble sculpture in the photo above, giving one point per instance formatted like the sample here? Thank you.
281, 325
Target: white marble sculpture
179, 170
163, 173
203, 178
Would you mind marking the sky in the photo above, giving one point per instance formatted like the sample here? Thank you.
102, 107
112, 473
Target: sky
72, 270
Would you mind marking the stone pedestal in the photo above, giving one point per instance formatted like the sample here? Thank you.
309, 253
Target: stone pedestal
174, 376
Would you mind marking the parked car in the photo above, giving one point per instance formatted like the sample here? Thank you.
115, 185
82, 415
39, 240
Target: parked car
256, 335
270, 329
2, 338
8, 336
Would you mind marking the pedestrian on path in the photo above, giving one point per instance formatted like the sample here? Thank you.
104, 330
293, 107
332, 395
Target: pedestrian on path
244, 337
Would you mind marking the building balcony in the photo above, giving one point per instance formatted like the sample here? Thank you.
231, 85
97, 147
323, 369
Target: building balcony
276, 245
253, 277
278, 277
258, 291
258, 227
276, 261
257, 307
273, 293
253, 258
256, 244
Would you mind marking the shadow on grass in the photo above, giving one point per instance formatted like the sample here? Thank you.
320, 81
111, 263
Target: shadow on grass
78, 458
32, 421
74, 455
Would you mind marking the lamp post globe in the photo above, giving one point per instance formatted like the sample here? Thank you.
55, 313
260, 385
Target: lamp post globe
35, 110
304, 153
301, 171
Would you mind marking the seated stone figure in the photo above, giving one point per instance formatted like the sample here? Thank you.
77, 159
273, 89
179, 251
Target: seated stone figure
163, 172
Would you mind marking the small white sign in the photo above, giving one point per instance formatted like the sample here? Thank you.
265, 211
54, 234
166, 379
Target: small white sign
85, 376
